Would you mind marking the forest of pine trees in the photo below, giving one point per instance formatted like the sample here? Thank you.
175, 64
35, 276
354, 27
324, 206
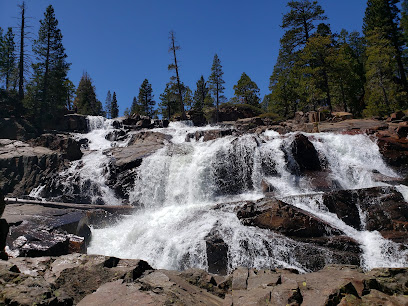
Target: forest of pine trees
317, 69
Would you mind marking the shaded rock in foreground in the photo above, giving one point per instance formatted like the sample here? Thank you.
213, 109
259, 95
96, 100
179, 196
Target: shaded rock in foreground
100, 280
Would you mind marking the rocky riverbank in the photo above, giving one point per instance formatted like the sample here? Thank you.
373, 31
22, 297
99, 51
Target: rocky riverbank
98, 280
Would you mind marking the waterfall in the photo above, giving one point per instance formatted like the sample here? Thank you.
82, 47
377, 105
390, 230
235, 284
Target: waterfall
182, 186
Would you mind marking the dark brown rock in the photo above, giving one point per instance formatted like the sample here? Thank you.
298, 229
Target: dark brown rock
217, 253
127, 159
74, 123
43, 231
402, 131
235, 112
67, 146
286, 219
16, 129
397, 115
384, 209
209, 134
305, 154
23, 167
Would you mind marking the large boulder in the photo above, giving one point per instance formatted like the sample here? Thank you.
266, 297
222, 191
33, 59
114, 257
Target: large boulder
23, 167
217, 253
36, 230
286, 219
207, 135
233, 112
383, 208
125, 160
73, 123
16, 129
67, 146
305, 154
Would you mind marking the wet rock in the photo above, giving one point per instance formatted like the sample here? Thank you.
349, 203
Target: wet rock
394, 151
23, 167
402, 130
305, 154
208, 134
116, 135
121, 170
217, 253
4, 229
41, 231
286, 219
233, 166
384, 210
67, 146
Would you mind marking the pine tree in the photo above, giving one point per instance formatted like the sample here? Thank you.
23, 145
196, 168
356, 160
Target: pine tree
145, 99
216, 82
247, 91
127, 112
47, 88
108, 104
300, 23
382, 16
169, 104
114, 110
135, 108
382, 94
85, 101
8, 61
200, 95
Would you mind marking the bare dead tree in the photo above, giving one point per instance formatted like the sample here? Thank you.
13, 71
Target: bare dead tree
174, 66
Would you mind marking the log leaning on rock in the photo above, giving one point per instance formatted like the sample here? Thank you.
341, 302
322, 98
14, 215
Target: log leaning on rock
117, 209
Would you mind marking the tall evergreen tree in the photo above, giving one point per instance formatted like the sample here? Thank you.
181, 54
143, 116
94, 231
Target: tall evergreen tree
146, 99
85, 101
300, 23
108, 104
47, 89
175, 66
114, 110
247, 91
216, 82
200, 95
8, 61
382, 93
135, 108
382, 17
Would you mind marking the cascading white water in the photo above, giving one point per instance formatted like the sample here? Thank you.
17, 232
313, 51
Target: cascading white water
86, 178
181, 184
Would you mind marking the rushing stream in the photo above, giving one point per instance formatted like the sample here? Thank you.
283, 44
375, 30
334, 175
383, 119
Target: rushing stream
181, 186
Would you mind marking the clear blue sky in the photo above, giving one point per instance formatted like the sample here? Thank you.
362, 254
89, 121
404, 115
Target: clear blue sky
120, 43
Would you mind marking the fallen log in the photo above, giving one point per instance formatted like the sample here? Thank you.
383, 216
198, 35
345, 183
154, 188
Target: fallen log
113, 209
